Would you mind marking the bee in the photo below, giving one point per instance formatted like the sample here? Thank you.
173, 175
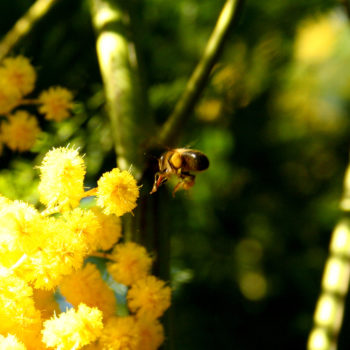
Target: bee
179, 162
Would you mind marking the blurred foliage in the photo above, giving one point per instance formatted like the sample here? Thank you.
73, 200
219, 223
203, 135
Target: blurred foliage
248, 243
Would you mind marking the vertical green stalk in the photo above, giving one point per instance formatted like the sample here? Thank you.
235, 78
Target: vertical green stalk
125, 96
126, 101
329, 310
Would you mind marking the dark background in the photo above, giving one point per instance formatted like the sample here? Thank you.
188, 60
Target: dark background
249, 242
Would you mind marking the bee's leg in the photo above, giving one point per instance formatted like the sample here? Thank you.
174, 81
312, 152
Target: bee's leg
187, 181
177, 187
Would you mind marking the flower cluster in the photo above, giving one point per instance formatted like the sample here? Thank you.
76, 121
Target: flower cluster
43, 253
20, 128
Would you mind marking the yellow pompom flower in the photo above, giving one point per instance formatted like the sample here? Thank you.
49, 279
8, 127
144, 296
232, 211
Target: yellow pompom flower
18, 314
9, 98
131, 263
60, 253
19, 227
61, 178
84, 223
87, 286
73, 329
117, 192
149, 297
56, 103
151, 334
110, 229
20, 131
18, 73
10, 342
120, 333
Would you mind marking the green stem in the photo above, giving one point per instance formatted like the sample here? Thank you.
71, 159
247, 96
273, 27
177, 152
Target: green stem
24, 25
126, 101
328, 316
171, 129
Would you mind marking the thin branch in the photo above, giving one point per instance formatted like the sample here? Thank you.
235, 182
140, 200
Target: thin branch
200, 75
103, 255
24, 25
